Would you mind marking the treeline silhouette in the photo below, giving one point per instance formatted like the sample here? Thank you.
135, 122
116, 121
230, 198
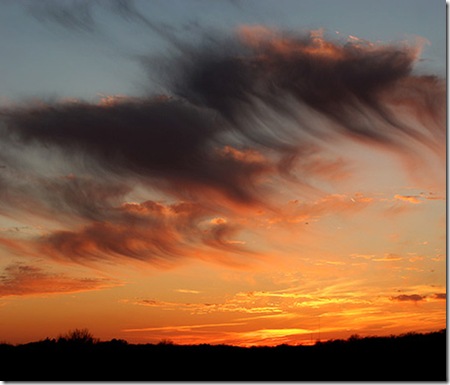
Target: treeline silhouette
78, 356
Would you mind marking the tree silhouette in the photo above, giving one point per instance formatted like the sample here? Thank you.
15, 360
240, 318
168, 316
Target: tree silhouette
166, 342
78, 356
78, 337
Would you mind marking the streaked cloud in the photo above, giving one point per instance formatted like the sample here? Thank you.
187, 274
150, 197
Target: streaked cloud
188, 291
388, 257
408, 297
29, 280
408, 198
184, 327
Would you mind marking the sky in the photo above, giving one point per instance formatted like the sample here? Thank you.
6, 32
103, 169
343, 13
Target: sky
226, 172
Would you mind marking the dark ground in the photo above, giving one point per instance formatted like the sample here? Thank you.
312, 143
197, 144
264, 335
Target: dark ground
410, 357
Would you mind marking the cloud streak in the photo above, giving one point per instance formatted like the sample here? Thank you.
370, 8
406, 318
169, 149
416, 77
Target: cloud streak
406, 297
24, 280
159, 139
267, 75
149, 231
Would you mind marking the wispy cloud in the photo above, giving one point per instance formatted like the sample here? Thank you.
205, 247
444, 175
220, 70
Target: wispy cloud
408, 297
188, 291
184, 327
388, 257
428, 296
408, 198
28, 280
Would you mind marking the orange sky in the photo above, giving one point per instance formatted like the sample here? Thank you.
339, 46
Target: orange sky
363, 257
312, 235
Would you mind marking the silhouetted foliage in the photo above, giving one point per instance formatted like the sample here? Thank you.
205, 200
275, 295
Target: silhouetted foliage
118, 342
166, 342
78, 356
78, 337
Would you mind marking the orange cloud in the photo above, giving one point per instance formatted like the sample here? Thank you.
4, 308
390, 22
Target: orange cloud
258, 36
240, 303
151, 232
408, 198
188, 291
388, 257
298, 211
26, 280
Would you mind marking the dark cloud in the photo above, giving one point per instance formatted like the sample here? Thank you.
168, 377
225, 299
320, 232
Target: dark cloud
255, 81
440, 296
159, 138
406, 297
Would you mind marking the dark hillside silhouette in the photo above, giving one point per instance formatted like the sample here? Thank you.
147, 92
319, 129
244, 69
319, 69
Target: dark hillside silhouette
78, 356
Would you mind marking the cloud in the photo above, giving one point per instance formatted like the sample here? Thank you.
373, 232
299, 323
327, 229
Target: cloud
188, 291
153, 232
362, 256
76, 15
220, 234
241, 114
160, 139
81, 16
408, 198
388, 257
433, 196
23, 280
440, 296
256, 92
61, 197
267, 77
257, 303
406, 297
304, 211
240, 303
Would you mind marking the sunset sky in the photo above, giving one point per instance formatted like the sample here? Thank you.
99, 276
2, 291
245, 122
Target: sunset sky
247, 172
